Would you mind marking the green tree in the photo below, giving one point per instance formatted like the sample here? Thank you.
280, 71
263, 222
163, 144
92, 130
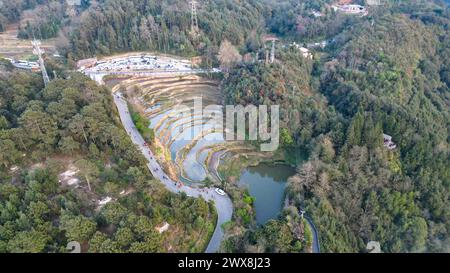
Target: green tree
9, 154
286, 138
114, 213
28, 242
89, 171
77, 228
68, 145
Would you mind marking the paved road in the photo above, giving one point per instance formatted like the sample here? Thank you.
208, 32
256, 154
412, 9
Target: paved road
223, 204
315, 234
312, 227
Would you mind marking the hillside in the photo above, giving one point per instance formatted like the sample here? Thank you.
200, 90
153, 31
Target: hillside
69, 172
386, 74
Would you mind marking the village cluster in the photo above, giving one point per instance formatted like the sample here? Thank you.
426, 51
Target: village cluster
27, 65
134, 63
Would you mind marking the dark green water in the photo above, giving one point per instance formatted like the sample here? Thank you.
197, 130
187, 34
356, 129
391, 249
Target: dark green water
267, 184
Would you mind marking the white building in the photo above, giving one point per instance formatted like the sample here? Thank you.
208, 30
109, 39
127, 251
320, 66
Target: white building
305, 52
21, 64
316, 13
105, 201
388, 143
351, 9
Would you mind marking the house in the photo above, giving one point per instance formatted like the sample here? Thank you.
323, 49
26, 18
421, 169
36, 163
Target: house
105, 201
86, 63
322, 44
388, 143
316, 13
351, 9
21, 64
305, 52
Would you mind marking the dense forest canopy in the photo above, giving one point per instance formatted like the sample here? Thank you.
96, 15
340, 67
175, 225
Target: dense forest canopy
72, 124
11, 11
111, 26
387, 73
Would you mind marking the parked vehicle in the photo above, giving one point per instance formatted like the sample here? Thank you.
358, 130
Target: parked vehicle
220, 192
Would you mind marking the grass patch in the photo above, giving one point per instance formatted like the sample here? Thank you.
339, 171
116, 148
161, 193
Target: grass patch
142, 125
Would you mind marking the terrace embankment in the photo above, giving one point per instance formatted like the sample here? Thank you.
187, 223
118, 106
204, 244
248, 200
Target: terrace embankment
187, 143
190, 149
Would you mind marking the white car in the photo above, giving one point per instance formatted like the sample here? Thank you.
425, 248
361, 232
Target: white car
220, 192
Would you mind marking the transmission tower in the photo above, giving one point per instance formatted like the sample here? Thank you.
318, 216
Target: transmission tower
194, 19
38, 51
272, 52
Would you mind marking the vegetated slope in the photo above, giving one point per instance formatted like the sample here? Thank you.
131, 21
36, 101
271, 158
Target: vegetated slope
386, 74
289, 83
41, 19
72, 124
10, 11
295, 20
305, 118
391, 77
112, 26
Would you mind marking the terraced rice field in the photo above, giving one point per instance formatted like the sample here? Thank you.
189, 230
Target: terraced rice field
191, 142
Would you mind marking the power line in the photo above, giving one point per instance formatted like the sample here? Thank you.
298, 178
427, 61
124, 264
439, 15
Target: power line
38, 51
194, 18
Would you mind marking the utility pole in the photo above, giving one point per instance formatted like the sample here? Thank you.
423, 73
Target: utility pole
266, 55
272, 39
38, 51
272, 52
194, 19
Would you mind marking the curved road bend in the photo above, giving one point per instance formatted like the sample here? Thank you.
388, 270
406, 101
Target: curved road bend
223, 204
312, 227
315, 234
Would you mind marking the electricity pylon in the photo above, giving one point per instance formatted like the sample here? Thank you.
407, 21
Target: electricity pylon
194, 18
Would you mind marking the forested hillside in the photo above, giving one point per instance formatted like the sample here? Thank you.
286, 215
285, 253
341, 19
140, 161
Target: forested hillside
72, 124
388, 77
115, 25
383, 74
290, 83
294, 19
10, 11
41, 18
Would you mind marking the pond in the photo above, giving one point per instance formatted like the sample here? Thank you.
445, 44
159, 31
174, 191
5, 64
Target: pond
266, 183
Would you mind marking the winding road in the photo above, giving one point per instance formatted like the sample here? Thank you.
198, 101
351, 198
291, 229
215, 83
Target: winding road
223, 204
315, 234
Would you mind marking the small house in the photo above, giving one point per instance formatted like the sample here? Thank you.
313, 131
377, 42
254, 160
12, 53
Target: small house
86, 63
388, 143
